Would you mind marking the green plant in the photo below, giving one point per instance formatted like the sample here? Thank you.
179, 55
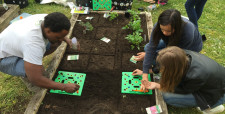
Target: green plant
134, 26
113, 15
87, 26
135, 39
134, 15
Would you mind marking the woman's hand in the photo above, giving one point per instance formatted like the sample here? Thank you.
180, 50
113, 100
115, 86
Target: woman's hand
137, 72
140, 56
150, 85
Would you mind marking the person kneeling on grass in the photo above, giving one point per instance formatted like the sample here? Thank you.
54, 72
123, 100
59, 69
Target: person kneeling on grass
23, 45
170, 30
189, 79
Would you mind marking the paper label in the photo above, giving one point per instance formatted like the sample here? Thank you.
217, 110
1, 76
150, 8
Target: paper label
105, 39
132, 59
73, 57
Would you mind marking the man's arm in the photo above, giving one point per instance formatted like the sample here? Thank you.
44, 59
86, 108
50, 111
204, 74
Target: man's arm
35, 76
68, 41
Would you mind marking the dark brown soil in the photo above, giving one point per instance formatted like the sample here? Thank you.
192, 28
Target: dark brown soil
2, 11
103, 63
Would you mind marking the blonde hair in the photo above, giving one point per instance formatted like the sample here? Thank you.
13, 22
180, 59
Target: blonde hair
173, 64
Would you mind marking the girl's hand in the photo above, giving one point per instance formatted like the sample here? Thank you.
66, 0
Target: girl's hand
137, 72
150, 85
140, 56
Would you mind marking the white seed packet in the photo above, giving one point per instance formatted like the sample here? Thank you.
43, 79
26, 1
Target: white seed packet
73, 57
132, 59
105, 39
90, 18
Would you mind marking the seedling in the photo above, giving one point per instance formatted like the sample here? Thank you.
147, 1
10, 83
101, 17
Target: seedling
135, 39
134, 15
113, 15
135, 25
87, 26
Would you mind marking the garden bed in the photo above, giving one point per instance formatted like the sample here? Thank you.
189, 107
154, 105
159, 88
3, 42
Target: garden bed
103, 64
7, 16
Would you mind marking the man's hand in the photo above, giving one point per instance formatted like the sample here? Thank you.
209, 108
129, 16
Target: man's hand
35, 75
68, 41
140, 56
71, 88
137, 72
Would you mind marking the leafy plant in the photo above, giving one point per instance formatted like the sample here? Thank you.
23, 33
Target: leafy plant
134, 15
134, 25
113, 15
135, 39
87, 26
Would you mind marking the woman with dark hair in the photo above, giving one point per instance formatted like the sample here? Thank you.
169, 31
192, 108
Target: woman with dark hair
170, 30
189, 79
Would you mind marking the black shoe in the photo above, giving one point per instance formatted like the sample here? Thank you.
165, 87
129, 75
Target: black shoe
37, 1
203, 38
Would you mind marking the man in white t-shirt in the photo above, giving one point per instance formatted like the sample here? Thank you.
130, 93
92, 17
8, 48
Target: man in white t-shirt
24, 43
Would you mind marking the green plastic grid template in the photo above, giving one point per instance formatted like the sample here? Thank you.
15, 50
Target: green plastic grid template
130, 82
70, 77
102, 4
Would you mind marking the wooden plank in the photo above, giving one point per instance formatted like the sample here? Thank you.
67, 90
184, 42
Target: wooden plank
149, 24
14, 11
159, 99
37, 99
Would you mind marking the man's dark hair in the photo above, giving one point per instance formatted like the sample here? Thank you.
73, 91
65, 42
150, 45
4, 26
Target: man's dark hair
57, 22
172, 17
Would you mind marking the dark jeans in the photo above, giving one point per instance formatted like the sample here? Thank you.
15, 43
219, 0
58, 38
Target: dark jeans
194, 10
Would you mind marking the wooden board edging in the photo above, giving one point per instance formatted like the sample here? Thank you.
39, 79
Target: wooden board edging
159, 98
9, 15
37, 99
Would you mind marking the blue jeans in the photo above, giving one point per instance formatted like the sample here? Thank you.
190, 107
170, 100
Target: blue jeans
185, 100
15, 65
160, 46
194, 10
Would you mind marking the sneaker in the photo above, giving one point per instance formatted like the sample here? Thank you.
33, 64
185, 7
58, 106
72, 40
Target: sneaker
204, 38
215, 110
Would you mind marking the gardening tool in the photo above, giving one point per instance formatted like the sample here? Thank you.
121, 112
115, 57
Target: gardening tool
106, 15
140, 90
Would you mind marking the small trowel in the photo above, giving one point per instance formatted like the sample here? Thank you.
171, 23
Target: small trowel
106, 14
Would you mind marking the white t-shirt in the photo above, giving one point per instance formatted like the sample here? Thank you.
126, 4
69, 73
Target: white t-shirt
24, 39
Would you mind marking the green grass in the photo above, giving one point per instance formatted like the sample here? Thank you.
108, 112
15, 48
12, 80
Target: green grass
14, 95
